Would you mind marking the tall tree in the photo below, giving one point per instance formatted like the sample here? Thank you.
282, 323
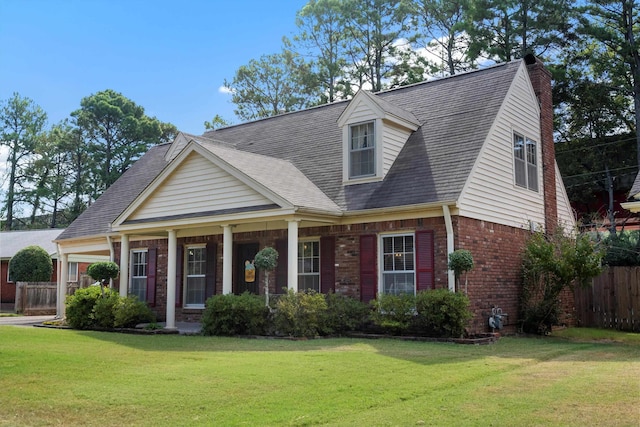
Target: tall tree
269, 86
505, 30
322, 38
613, 53
440, 25
52, 173
21, 123
118, 132
375, 29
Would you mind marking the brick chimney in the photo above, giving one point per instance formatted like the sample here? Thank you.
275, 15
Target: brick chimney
541, 80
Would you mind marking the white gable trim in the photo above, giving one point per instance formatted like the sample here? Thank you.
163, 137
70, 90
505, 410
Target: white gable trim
178, 144
193, 147
368, 99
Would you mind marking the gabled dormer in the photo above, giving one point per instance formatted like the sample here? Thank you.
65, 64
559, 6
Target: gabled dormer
373, 133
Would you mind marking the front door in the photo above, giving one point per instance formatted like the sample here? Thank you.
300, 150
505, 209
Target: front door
246, 276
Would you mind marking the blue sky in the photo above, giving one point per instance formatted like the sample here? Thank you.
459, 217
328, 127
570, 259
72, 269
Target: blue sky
170, 57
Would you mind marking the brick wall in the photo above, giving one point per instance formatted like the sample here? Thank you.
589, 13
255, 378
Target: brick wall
495, 280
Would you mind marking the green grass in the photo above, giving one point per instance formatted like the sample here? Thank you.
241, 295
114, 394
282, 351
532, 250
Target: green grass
52, 377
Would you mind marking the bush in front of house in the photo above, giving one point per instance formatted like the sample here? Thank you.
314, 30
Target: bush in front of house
394, 313
300, 314
442, 313
31, 264
230, 315
130, 311
91, 308
344, 314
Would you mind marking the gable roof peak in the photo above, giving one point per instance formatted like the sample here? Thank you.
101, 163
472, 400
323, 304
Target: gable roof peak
381, 107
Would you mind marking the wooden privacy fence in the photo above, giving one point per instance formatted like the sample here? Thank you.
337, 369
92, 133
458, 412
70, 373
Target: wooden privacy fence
39, 298
613, 301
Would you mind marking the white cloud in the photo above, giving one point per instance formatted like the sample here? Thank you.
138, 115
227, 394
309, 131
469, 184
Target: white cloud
225, 90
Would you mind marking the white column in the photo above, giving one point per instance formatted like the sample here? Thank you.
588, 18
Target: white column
124, 265
227, 260
63, 275
172, 254
292, 251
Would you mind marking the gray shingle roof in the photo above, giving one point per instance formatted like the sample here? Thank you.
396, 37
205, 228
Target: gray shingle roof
13, 241
456, 114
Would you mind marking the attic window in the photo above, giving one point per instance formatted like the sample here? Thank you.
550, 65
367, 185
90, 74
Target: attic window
525, 162
362, 150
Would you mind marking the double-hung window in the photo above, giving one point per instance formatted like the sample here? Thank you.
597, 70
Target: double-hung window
72, 271
196, 263
309, 266
398, 264
138, 283
362, 154
525, 162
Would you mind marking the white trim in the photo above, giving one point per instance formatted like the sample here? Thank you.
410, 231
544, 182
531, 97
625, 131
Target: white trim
381, 237
451, 277
186, 275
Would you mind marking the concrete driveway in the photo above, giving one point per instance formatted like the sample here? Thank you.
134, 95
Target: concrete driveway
24, 320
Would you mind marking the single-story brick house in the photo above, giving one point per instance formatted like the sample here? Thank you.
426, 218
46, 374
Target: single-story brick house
13, 241
360, 197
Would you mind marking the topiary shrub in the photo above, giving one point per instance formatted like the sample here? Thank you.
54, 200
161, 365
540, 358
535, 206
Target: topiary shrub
230, 315
461, 261
267, 260
130, 311
300, 314
394, 313
343, 314
31, 264
442, 313
103, 271
79, 307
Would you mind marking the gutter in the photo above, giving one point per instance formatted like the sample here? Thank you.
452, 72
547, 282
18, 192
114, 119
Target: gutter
451, 278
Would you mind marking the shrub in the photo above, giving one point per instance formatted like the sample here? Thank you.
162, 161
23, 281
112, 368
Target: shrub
442, 313
130, 311
343, 314
31, 264
104, 309
300, 314
394, 313
79, 310
230, 315
623, 249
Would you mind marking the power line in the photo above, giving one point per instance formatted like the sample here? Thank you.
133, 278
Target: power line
603, 171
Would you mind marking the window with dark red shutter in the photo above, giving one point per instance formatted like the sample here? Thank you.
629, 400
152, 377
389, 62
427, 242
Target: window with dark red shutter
152, 257
368, 275
425, 272
327, 264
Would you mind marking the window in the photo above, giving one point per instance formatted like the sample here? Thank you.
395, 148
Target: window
362, 150
398, 261
138, 283
525, 162
309, 266
196, 259
72, 275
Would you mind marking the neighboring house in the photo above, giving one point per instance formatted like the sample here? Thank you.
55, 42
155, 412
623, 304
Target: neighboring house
13, 241
361, 197
633, 199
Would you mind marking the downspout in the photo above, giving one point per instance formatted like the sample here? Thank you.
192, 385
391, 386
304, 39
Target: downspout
451, 278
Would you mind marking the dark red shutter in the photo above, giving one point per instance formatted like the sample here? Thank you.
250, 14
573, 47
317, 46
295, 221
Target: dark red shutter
282, 268
327, 264
368, 276
151, 276
210, 276
425, 274
179, 266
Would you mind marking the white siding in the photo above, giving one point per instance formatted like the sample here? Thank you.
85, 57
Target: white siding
198, 186
566, 215
362, 113
394, 139
490, 193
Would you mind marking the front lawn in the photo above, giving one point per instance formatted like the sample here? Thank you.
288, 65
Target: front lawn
64, 377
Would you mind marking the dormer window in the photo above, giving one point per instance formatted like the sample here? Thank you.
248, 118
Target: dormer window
362, 150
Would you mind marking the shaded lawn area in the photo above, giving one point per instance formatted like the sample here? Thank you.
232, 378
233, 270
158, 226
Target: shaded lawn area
65, 377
